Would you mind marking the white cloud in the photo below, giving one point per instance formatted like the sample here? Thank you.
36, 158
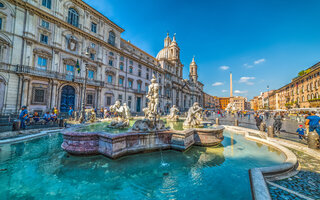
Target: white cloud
259, 61
246, 80
217, 84
247, 65
224, 91
240, 92
224, 67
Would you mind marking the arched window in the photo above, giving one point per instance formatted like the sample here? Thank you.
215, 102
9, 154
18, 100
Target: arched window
1, 5
302, 98
312, 96
308, 97
73, 17
112, 38
317, 95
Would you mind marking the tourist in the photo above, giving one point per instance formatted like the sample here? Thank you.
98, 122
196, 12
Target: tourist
70, 113
23, 117
301, 132
55, 111
54, 117
277, 124
36, 117
102, 113
47, 117
313, 122
258, 121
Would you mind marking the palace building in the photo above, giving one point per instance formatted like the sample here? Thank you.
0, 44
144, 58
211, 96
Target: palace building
49, 48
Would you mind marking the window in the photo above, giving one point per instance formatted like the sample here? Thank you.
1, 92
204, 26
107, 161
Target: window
45, 24
90, 74
111, 62
90, 99
44, 39
108, 101
120, 81
111, 53
1, 5
130, 83
130, 70
147, 88
46, 3
0, 23
139, 87
129, 101
92, 56
120, 98
121, 66
70, 72
93, 45
112, 38
139, 73
94, 27
42, 63
131, 62
39, 95
147, 76
109, 78
73, 17
122, 58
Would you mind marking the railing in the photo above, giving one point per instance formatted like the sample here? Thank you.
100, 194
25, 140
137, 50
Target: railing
46, 73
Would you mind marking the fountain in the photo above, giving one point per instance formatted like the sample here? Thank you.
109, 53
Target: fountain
194, 117
173, 117
122, 120
148, 134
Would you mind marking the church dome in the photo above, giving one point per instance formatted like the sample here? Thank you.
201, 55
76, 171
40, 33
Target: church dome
163, 54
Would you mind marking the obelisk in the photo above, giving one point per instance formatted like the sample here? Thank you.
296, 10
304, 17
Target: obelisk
231, 94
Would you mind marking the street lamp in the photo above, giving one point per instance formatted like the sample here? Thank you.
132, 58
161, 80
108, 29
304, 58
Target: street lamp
83, 105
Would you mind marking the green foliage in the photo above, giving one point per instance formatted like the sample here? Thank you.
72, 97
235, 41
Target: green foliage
303, 72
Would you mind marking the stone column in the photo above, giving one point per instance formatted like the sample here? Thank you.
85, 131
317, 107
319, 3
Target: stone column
98, 105
24, 97
54, 94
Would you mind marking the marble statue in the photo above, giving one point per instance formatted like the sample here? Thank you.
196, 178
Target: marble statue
194, 116
173, 114
123, 114
231, 107
93, 116
151, 121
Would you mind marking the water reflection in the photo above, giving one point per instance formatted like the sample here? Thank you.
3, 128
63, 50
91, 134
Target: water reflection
41, 169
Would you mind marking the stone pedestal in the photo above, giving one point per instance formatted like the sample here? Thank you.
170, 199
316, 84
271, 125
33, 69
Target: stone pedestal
217, 121
236, 122
16, 125
313, 140
270, 131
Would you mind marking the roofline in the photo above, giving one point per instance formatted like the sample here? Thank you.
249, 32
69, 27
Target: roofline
114, 25
134, 46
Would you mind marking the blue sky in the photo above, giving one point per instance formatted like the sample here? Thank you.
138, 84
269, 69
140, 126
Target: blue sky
263, 42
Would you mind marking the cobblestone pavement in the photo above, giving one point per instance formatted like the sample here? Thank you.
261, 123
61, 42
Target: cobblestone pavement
304, 185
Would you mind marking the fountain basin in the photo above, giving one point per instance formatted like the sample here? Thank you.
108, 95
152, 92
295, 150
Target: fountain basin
117, 145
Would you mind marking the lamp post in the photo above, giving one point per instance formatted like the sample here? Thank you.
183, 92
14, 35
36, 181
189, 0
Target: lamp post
83, 99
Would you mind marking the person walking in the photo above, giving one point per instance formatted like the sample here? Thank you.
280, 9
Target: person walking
313, 122
277, 124
70, 113
301, 132
258, 121
23, 117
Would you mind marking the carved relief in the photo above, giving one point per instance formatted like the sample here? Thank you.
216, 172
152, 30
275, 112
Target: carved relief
42, 52
69, 61
71, 42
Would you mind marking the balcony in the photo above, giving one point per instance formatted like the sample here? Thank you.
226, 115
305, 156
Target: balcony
21, 69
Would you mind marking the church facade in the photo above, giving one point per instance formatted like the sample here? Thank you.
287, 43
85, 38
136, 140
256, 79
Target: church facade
49, 48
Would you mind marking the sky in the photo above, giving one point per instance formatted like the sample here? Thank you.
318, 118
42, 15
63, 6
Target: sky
262, 42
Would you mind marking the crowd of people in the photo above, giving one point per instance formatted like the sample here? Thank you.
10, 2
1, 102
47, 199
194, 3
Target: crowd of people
27, 118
